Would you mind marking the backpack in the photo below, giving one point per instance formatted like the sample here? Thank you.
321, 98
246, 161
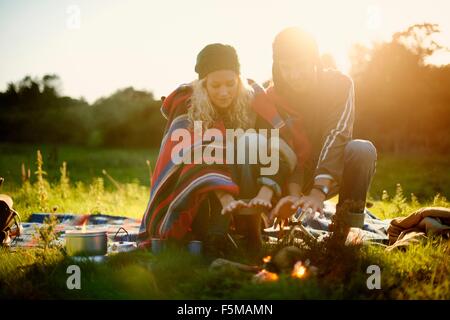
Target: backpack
9, 221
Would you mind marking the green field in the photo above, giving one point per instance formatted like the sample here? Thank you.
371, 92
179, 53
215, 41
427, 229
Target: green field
83, 163
423, 175
88, 189
420, 273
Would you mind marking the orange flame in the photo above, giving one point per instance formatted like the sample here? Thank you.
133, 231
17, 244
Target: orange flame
83, 227
299, 270
266, 276
267, 259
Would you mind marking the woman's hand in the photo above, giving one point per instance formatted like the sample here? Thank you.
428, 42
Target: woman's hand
263, 198
233, 206
284, 208
229, 204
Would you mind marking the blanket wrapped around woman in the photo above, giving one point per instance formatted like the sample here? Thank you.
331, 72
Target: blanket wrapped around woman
178, 189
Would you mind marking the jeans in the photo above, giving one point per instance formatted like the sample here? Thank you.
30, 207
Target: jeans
360, 158
209, 219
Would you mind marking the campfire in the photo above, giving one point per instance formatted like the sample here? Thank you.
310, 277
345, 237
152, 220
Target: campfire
83, 227
299, 270
265, 276
270, 270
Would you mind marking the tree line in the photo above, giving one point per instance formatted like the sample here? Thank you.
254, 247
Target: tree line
33, 111
402, 103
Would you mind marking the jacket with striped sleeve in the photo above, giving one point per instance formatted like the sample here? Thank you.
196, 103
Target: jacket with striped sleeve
326, 120
336, 125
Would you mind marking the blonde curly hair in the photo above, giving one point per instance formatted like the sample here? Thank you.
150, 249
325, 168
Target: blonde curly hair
203, 110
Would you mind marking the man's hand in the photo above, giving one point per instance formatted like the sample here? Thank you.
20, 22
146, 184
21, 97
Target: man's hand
314, 201
284, 208
263, 198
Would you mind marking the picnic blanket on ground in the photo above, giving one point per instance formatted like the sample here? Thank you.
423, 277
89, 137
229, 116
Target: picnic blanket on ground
374, 230
112, 224
415, 227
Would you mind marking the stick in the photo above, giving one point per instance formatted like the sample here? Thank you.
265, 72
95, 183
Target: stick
115, 183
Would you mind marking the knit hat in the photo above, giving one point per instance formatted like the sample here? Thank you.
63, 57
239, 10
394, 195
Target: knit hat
293, 42
216, 57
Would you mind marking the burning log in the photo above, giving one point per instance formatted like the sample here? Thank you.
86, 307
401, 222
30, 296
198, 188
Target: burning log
265, 276
299, 270
220, 264
286, 261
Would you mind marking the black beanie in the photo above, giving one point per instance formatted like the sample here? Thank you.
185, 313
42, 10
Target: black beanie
290, 43
216, 57
293, 42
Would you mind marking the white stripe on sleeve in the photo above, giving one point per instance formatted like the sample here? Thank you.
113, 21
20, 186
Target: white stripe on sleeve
341, 126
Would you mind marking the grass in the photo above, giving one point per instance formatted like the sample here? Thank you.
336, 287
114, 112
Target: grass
125, 165
124, 190
419, 273
425, 175
87, 190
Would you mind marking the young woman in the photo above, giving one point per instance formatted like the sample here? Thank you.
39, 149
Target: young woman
194, 200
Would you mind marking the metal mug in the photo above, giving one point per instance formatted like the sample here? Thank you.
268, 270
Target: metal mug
195, 247
158, 245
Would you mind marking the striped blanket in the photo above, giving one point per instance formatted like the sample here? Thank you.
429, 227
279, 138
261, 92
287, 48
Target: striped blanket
178, 189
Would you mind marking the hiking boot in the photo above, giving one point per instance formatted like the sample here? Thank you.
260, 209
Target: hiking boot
355, 219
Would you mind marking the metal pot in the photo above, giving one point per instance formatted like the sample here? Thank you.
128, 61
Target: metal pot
91, 243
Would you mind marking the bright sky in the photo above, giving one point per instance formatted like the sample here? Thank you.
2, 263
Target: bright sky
99, 46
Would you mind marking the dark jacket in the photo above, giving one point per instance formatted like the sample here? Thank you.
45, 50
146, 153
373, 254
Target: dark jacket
326, 120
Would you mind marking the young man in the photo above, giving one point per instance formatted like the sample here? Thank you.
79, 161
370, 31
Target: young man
318, 108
